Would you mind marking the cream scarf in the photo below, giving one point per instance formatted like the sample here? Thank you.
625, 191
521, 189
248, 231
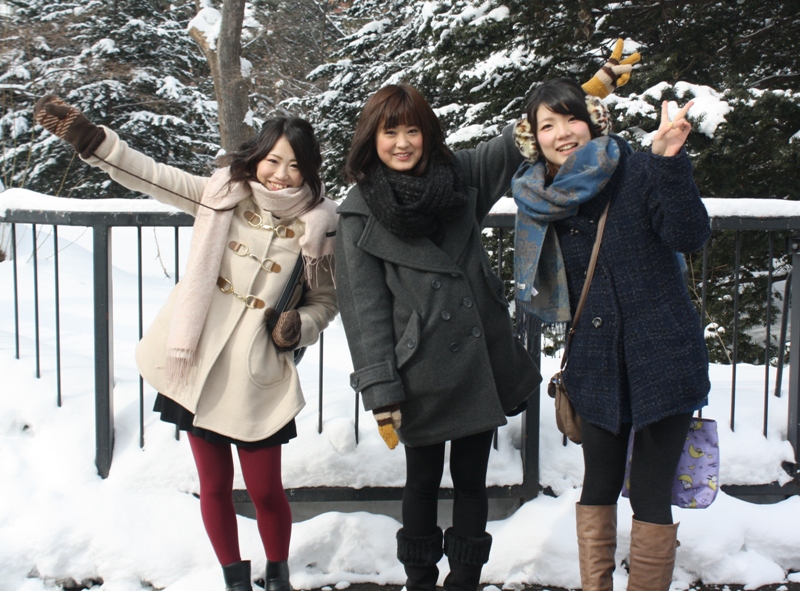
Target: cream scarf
209, 237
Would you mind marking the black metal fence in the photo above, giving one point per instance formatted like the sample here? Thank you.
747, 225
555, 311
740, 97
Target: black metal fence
102, 223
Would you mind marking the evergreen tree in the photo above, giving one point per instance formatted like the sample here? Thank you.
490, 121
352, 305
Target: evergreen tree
128, 64
476, 62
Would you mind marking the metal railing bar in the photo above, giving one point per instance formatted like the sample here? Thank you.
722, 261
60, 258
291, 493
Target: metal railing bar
177, 273
140, 299
768, 322
356, 426
36, 301
321, 353
16, 287
103, 354
58, 316
787, 294
735, 361
793, 420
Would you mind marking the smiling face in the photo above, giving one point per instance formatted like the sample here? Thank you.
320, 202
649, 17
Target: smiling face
279, 170
559, 136
400, 147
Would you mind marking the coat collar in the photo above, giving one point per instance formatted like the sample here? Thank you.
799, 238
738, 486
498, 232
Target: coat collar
418, 253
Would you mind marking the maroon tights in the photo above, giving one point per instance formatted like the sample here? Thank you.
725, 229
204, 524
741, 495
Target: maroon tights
261, 469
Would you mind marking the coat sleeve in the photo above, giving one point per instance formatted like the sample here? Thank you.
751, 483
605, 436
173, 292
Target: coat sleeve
677, 213
132, 169
318, 307
489, 168
365, 303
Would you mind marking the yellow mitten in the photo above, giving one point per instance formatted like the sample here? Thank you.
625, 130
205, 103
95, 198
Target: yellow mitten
389, 419
613, 74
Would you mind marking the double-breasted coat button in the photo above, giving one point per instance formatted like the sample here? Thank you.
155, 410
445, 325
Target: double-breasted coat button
574, 231
476, 332
597, 322
436, 284
446, 315
354, 382
454, 347
467, 303
411, 343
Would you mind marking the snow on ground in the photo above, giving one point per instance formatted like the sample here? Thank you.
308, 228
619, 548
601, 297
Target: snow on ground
141, 526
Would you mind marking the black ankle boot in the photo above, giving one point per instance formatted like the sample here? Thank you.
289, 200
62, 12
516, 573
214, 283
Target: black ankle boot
466, 555
237, 576
277, 578
419, 555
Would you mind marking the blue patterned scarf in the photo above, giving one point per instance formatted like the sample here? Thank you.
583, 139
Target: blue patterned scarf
540, 279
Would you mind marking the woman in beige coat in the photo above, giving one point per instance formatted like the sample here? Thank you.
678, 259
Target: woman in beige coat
222, 375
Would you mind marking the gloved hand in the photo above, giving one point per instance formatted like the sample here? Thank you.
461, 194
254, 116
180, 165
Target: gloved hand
389, 419
286, 334
69, 124
613, 74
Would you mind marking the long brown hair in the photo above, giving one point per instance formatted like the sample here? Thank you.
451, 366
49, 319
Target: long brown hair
393, 105
300, 135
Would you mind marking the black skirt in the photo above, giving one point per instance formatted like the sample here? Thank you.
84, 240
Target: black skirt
172, 412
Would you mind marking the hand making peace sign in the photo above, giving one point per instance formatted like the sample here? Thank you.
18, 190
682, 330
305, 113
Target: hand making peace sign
671, 135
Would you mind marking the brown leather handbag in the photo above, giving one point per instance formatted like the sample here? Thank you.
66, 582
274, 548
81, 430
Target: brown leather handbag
567, 420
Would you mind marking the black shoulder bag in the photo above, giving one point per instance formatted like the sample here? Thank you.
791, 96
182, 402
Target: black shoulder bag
283, 303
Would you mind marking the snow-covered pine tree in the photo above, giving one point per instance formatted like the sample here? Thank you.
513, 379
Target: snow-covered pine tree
128, 64
476, 61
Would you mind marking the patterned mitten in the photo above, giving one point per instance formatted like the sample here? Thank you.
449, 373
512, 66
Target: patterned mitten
389, 419
69, 124
286, 334
613, 74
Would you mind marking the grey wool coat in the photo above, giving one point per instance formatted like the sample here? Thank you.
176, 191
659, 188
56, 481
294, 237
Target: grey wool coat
428, 325
638, 354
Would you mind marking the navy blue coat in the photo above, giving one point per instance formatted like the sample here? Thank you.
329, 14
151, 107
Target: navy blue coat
638, 353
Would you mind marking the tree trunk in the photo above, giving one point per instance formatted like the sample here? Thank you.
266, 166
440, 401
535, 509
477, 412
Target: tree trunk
230, 88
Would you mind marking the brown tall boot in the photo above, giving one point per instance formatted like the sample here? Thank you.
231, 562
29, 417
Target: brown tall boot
652, 556
597, 544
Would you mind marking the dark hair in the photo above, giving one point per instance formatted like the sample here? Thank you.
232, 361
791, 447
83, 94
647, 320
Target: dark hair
300, 135
393, 105
563, 96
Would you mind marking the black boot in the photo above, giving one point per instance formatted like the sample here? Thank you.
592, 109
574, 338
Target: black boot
237, 576
466, 555
277, 578
419, 555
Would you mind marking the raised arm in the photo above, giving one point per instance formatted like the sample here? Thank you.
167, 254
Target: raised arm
101, 147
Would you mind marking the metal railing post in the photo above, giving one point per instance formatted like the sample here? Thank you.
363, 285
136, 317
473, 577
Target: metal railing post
793, 428
103, 350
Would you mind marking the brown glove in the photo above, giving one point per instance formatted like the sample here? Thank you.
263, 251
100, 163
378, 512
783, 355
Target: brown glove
389, 420
69, 124
286, 334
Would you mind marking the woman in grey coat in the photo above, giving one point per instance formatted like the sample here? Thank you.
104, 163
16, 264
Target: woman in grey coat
427, 321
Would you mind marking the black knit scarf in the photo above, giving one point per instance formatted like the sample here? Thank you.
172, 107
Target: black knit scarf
414, 206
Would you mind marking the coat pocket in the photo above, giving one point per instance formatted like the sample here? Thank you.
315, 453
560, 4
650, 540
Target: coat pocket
265, 365
496, 286
409, 342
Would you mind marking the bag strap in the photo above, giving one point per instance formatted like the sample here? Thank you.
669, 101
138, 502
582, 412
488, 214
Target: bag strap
601, 226
283, 302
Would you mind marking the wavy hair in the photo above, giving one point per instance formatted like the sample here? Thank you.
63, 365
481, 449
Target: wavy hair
300, 135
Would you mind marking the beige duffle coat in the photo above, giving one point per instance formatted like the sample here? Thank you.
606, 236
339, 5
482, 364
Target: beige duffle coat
241, 387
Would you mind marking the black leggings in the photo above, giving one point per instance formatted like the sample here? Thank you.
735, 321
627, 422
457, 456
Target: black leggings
656, 452
469, 457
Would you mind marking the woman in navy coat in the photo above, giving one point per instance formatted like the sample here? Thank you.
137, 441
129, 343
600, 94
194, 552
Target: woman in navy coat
638, 358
